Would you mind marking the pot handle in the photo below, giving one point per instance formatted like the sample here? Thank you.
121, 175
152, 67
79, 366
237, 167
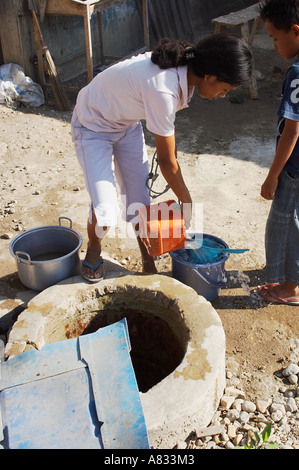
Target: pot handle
67, 218
217, 285
23, 253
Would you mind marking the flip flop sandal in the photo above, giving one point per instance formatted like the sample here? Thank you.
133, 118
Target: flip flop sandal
94, 267
266, 293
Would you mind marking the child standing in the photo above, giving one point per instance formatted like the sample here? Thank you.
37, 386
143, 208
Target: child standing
281, 19
108, 135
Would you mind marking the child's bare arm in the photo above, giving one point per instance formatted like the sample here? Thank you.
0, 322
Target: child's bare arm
284, 149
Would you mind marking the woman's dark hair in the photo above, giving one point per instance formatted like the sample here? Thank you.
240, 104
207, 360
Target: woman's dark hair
224, 55
283, 14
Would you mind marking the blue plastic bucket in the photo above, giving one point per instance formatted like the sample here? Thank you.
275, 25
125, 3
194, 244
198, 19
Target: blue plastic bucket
206, 279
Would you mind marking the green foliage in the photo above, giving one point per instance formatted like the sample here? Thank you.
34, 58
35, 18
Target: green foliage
260, 441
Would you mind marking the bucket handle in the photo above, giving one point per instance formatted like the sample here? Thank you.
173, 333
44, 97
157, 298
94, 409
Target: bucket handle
218, 285
67, 218
22, 260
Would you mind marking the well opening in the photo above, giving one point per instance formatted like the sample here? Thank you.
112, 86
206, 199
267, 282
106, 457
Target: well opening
157, 331
156, 351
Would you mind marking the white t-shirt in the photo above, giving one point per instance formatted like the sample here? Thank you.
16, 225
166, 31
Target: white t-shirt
132, 90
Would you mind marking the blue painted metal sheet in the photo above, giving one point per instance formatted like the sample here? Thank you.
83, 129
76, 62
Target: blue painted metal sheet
78, 393
119, 388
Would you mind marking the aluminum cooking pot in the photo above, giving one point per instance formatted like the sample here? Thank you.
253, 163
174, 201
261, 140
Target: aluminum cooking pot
46, 255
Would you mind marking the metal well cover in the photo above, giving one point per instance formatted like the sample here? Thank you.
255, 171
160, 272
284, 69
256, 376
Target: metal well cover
75, 394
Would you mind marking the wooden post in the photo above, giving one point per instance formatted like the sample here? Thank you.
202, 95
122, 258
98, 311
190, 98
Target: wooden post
88, 43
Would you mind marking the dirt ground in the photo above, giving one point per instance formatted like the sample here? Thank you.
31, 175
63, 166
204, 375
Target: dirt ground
225, 150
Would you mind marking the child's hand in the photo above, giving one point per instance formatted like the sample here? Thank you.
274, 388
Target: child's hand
268, 188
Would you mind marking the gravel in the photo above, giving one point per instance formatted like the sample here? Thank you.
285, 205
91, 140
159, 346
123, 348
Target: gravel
238, 420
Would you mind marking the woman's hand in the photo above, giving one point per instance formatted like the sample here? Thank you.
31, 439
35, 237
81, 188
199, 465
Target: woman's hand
186, 209
170, 169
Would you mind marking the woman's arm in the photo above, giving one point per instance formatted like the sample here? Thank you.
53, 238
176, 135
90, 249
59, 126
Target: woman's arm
284, 150
170, 169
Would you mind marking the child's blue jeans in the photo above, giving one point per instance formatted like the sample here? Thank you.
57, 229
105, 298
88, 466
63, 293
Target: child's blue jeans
282, 232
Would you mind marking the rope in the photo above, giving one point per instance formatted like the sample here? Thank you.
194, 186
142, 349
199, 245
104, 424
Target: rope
153, 175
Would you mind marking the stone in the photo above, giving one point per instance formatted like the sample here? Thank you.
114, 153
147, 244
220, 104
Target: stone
209, 431
277, 406
238, 404
290, 370
216, 439
248, 406
227, 401
276, 416
225, 421
293, 379
263, 405
7, 236
233, 414
231, 431
229, 445
244, 417
211, 445
260, 418
291, 405
289, 393
285, 446
236, 392
224, 437
238, 439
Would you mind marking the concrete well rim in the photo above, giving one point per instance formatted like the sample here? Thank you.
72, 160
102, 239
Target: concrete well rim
200, 377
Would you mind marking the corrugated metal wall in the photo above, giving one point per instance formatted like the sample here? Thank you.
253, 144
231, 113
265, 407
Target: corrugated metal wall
122, 31
188, 19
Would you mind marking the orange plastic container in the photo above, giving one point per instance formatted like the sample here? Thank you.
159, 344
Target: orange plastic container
162, 227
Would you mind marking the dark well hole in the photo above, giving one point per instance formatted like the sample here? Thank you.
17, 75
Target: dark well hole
156, 349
